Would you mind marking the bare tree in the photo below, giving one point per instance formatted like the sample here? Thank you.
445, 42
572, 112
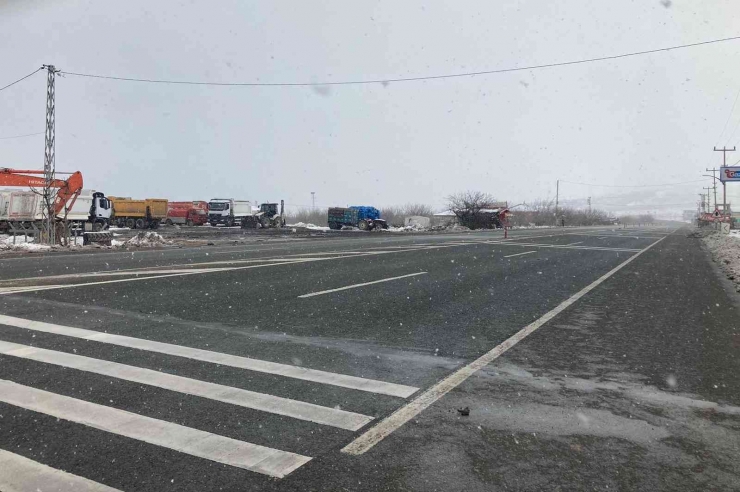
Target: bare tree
467, 207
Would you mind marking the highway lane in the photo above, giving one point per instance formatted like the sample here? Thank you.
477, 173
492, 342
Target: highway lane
470, 295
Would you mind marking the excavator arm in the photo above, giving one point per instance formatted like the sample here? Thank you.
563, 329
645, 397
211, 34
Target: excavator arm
69, 189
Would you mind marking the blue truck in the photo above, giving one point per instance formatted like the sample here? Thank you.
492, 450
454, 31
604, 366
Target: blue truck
364, 218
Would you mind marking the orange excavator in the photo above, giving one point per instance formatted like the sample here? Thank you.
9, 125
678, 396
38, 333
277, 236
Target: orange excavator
69, 189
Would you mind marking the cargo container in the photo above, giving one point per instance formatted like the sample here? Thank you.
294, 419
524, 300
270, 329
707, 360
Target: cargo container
21, 206
364, 218
187, 213
228, 211
138, 214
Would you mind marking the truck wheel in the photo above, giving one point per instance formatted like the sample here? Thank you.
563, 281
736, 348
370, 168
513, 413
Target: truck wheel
189, 223
277, 223
229, 222
139, 223
265, 223
168, 222
154, 225
363, 225
97, 227
130, 223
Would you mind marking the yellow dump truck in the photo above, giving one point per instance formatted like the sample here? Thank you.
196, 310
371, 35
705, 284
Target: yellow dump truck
138, 214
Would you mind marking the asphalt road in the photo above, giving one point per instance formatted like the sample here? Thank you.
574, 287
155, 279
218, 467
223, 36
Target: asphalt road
340, 363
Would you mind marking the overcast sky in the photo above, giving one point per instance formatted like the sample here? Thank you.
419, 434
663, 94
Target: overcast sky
634, 121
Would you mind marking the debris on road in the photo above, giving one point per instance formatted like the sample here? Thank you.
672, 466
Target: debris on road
147, 239
464, 411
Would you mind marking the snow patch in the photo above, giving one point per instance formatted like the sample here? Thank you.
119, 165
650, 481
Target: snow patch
147, 239
309, 226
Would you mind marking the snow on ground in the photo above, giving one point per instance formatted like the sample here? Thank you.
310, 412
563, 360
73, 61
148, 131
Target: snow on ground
725, 250
147, 239
309, 226
21, 244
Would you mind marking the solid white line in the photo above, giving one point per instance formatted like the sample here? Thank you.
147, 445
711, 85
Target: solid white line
317, 376
220, 449
19, 474
373, 436
573, 244
312, 294
249, 399
520, 254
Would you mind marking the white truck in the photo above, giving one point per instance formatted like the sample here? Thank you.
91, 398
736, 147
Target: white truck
91, 210
228, 211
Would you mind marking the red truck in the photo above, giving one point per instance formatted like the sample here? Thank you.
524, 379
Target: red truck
187, 213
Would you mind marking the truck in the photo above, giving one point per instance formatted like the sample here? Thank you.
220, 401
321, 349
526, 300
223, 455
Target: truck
363, 217
267, 216
187, 213
228, 211
81, 212
138, 214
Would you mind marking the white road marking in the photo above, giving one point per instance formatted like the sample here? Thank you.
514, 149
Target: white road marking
19, 474
407, 412
235, 396
314, 375
520, 254
573, 244
312, 294
557, 246
220, 449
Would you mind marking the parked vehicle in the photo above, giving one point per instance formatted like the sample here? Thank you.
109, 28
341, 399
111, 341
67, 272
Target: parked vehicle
364, 218
228, 211
267, 216
89, 210
187, 213
138, 214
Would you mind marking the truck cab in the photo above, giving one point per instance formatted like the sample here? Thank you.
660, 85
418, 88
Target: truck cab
220, 212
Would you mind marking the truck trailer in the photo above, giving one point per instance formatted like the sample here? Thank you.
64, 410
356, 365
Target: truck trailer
19, 208
187, 213
138, 214
228, 211
364, 218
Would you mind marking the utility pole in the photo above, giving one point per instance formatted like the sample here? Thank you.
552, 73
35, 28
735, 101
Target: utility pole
709, 200
49, 159
557, 199
724, 151
313, 200
703, 203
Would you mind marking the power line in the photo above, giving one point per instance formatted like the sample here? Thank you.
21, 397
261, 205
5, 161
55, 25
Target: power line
22, 78
402, 79
633, 186
21, 136
729, 116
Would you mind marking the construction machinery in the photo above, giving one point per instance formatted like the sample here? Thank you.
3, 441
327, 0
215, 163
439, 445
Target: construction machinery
22, 209
138, 214
266, 217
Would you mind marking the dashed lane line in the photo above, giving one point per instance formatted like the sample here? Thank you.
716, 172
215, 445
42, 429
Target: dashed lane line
241, 454
235, 396
315, 375
409, 411
520, 254
355, 286
20, 474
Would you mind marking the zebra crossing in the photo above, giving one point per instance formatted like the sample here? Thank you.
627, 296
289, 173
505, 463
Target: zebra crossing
256, 458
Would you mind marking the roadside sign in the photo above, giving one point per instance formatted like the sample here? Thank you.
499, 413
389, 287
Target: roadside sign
725, 228
716, 212
729, 173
